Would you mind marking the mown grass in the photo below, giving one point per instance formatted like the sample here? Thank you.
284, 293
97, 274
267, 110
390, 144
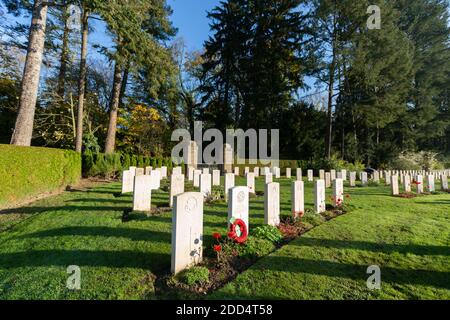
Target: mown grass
408, 238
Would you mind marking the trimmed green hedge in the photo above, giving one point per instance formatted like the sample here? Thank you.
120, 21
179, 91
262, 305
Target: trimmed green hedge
111, 165
29, 171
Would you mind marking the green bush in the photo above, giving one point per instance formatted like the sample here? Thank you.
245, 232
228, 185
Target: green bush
257, 247
28, 171
268, 233
195, 275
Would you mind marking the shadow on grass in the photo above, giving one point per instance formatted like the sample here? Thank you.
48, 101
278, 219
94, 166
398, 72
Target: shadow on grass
107, 232
34, 210
437, 279
114, 259
374, 247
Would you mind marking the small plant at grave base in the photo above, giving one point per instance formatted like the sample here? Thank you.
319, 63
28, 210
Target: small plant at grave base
270, 233
215, 196
195, 276
256, 248
290, 228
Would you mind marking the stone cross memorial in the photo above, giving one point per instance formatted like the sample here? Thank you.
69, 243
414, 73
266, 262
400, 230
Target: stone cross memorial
187, 231
272, 204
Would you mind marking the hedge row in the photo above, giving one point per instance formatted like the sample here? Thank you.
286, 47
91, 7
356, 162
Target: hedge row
111, 165
28, 171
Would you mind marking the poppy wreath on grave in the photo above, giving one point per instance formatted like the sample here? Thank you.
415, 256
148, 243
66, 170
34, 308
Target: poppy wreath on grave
238, 231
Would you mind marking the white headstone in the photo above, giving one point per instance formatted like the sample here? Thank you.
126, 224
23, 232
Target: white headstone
256, 171
163, 172
344, 174
288, 173
205, 184
364, 179
197, 174
133, 172
419, 182
148, 170
353, 179
298, 198
251, 182
216, 178
310, 175
327, 180
177, 170
187, 231
444, 182
299, 174
394, 185
268, 178
322, 174
191, 173
229, 183
205, 170
176, 186
127, 181
430, 183
238, 205
155, 179
236, 171
272, 204
319, 196
142, 193
407, 183
333, 174
140, 171
338, 192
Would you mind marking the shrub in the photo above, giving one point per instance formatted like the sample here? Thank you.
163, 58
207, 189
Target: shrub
417, 161
268, 233
29, 171
257, 247
195, 275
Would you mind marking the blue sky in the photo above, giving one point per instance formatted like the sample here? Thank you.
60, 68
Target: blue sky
189, 16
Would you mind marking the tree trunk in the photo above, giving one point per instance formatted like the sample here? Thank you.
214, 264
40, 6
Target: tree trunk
82, 79
114, 108
329, 134
64, 55
23, 129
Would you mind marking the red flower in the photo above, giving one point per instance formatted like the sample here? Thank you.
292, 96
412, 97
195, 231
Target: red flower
217, 236
217, 248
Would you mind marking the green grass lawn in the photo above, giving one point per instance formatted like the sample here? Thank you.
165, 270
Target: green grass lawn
408, 238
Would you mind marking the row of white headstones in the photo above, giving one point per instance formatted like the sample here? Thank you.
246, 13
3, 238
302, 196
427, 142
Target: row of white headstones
187, 218
188, 207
